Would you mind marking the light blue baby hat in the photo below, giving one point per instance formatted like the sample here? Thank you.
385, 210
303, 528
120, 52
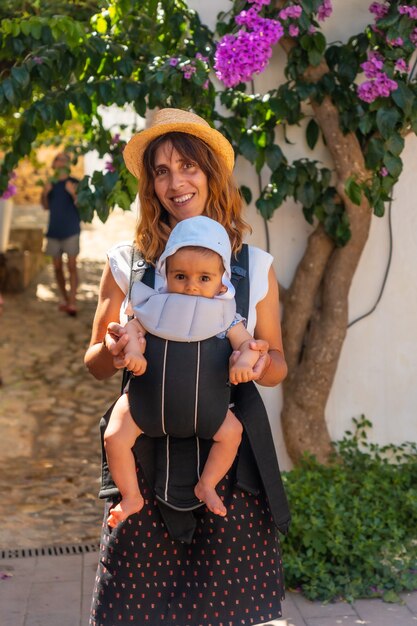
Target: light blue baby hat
204, 232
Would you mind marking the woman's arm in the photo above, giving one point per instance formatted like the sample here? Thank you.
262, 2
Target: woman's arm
268, 328
103, 360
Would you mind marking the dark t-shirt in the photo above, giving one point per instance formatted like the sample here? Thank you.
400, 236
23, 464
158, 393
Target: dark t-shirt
64, 220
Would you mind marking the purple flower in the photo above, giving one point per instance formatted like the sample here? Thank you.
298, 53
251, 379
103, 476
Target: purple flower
260, 3
410, 11
11, 189
373, 65
206, 84
401, 65
188, 70
10, 192
38, 60
292, 11
115, 139
239, 56
173, 61
377, 30
383, 171
396, 42
325, 10
109, 166
293, 30
200, 57
378, 9
380, 86
413, 37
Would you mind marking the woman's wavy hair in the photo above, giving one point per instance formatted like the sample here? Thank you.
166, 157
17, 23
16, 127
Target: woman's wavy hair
224, 203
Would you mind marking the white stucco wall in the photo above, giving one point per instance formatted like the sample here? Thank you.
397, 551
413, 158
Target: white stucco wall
377, 369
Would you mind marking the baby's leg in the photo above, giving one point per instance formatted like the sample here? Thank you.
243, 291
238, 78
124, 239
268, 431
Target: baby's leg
219, 461
119, 438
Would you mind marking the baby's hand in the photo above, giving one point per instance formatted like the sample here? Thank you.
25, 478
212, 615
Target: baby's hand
136, 363
241, 372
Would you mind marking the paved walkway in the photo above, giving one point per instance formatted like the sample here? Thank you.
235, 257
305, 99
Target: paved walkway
50, 469
56, 591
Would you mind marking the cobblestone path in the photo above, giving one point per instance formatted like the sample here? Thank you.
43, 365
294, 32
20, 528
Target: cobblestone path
49, 413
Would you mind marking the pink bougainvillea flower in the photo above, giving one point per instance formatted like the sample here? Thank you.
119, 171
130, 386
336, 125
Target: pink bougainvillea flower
109, 166
401, 65
293, 30
373, 65
325, 10
380, 86
292, 12
239, 56
378, 9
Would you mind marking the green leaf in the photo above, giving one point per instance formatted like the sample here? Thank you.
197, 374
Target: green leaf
393, 164
9, 91
21, 76
246, 194
36, 28
314, 57
395, 144
353, 190
273, 156
391, 596
379, 208
386, 121
403, 97
101, 25
248, 148
366, 124
306, 42
312, 133
306, 194
374, 153
319, 42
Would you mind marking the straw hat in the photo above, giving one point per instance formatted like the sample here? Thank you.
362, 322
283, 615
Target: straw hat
176, 120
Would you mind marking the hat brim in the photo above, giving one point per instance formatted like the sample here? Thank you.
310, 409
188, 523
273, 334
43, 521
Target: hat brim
135, 148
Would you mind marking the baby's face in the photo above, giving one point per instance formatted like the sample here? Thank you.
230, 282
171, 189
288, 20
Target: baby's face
195, 273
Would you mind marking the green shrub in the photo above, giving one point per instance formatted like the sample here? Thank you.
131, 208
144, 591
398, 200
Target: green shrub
354, 522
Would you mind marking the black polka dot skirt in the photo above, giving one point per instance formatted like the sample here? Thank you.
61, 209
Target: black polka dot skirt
230, 575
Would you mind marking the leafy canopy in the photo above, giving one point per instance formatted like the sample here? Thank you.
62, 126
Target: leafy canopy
69, 60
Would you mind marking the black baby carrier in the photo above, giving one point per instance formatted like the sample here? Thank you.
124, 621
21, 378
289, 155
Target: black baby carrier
192, 379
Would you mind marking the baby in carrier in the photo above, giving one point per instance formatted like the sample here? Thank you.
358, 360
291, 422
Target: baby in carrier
196, 305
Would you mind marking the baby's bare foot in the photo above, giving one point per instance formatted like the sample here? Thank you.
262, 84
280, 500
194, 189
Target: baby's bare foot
126, 507
209, 496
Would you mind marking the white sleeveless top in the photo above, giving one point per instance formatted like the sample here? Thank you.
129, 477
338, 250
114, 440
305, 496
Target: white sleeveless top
259, 263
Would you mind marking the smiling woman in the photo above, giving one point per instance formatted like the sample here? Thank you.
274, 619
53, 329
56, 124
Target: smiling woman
180, 184
184, 169
176, 165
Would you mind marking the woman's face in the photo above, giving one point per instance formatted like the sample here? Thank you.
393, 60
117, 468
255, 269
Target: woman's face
180, 184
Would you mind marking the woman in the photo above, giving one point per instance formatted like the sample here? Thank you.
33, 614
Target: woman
224, 571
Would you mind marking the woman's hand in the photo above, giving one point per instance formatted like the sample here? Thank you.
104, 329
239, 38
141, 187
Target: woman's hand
115, 340
263, 361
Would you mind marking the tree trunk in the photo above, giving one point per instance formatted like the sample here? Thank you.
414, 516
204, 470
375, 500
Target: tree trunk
316, 305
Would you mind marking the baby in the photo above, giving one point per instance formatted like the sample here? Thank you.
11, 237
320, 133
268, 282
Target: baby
203, 272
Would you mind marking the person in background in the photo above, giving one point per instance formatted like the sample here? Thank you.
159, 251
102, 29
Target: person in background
59, 197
